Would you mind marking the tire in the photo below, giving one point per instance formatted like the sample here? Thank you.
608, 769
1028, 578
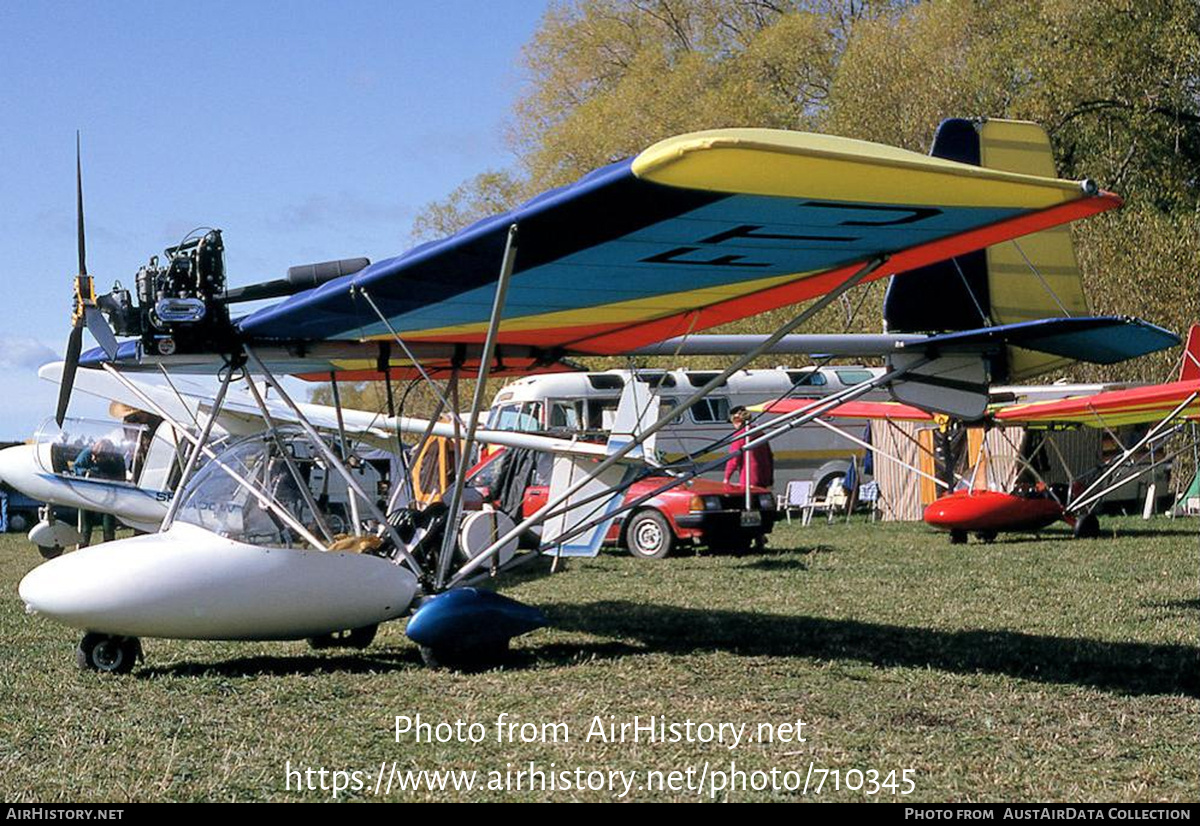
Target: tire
986, 536
49, 552
18, 522
108, 654
338, 524
958, 537
648, 536
471, 658
1087, 527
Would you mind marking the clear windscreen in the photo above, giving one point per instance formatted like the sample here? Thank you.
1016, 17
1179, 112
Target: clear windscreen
217, 501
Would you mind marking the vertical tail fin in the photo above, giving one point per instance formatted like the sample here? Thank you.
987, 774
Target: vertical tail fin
1190, 371
1037, 277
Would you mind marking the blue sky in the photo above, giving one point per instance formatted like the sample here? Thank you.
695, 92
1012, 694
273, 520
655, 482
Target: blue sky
306, 131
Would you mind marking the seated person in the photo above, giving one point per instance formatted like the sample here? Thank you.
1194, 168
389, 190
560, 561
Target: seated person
100, 460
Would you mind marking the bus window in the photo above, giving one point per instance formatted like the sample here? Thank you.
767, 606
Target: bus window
566, 415
807, 378
601, 413
524, 417
707, 411
668, 406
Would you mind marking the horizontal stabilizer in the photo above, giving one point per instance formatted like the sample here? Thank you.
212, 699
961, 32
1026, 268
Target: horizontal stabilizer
1099, 340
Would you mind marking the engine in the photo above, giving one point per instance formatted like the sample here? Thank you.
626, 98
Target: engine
179, 304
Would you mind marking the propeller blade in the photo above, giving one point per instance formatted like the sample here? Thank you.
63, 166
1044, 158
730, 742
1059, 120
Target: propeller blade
79, 207
74, 348
98, 326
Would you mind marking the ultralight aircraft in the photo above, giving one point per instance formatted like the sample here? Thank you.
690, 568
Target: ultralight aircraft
695, 231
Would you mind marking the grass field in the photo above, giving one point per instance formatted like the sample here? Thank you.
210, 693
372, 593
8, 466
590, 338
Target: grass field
1022, 670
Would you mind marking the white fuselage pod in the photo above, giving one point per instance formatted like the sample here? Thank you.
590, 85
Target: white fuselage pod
137, 507
189, 583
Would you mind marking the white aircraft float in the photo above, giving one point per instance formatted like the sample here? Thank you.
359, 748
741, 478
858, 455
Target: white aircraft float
694, 232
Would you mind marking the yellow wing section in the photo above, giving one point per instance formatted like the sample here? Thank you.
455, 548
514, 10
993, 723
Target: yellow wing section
772, 162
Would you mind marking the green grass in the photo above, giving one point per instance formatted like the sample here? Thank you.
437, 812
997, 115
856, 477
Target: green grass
1021, 670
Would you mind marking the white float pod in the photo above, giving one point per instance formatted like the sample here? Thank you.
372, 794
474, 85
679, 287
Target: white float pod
189, 583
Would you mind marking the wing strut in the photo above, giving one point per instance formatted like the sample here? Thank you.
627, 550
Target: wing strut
332, 457
265, 500
665, 419
345, 446
194, 456
450, 535
1085, 498
408, 352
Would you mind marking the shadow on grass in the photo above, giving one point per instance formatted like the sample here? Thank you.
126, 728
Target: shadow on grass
1175, 605
1121, 532
775, 564
1124, 667
376, 661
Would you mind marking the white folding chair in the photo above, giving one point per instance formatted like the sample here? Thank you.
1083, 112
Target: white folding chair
798, 497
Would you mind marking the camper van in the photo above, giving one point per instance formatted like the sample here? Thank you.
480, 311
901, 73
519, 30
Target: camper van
584, 404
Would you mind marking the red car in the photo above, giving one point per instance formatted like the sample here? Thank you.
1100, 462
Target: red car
697, 512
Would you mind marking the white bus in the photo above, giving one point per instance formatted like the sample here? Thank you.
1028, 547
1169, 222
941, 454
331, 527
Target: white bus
584, 404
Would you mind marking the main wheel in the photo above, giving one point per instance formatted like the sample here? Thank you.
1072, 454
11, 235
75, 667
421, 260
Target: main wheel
1087, 527
958, 537
648, 536
49, 551
465, 658
108, 654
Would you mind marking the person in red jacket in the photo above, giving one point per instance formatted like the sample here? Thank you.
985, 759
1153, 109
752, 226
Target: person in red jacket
758, 463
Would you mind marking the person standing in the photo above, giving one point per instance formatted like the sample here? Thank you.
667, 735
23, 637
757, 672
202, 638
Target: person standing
758, 463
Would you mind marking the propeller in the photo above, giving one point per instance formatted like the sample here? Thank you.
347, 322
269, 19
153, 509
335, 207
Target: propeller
85, 312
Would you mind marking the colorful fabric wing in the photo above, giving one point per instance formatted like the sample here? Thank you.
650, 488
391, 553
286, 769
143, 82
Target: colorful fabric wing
696, 231
1138, 405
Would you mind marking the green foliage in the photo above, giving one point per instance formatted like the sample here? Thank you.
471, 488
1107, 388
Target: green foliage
1115, 82
484, 195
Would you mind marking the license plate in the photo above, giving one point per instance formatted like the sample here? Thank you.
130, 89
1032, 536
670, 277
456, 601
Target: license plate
751, 519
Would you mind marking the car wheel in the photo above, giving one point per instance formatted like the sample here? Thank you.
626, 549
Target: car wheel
648, 536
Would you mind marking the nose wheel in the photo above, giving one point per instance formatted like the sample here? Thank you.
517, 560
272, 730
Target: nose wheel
107, 653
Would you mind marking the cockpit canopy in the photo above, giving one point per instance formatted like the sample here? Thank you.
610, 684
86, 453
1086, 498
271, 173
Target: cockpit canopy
288, 476
93, 449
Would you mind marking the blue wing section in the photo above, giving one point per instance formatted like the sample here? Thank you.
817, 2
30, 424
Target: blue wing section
609, 239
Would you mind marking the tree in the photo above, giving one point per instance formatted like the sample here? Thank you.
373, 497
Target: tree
1115, 82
